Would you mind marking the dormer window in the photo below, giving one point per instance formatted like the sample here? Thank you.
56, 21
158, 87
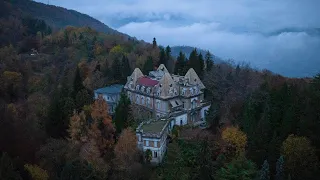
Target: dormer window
183, 92
196, 91
148, 90
175, 91
142, 89
137, 87
171, 91
131, 85
191, 91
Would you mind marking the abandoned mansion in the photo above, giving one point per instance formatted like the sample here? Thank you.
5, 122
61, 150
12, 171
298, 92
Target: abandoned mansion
167, 95
171, 99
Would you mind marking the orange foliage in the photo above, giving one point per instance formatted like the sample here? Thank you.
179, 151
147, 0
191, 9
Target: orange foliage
126, 150
235, 137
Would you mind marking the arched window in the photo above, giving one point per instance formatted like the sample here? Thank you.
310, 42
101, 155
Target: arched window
148, 101
194, 104
142, 100
158, 104
137, 99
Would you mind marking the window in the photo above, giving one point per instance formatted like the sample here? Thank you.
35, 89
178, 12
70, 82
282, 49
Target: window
155, 154
175, 91
183, 91
142, 100
142, 89
137, 87
137, 99
147, 143
183, 104
148, 101
191, 91
131, 85
194, 103
170, 91
158, 91
158, 104
148, 90
155, 143
180, 121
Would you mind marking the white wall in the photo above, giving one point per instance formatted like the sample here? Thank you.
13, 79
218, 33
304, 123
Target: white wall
182, 117
206, 108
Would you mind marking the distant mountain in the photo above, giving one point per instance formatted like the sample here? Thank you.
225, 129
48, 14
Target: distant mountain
175, 50
59, 17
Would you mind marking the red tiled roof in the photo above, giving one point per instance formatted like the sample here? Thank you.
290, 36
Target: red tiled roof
145, 81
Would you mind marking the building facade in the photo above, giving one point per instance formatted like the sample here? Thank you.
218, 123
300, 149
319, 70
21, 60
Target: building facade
111, 94
167, 95
152, 135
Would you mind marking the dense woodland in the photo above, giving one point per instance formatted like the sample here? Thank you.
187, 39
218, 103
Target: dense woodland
262, 126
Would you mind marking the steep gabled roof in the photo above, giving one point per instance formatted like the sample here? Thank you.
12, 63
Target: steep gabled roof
136, 74
194, 78
163, 68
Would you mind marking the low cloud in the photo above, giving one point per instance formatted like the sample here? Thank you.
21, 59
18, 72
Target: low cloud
283, 36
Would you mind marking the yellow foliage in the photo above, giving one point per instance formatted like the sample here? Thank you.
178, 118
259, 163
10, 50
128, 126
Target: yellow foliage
36, 172
11, 76
299, 155
117, 50
235, 137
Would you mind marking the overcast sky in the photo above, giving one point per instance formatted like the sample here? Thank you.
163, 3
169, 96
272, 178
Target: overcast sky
281, 35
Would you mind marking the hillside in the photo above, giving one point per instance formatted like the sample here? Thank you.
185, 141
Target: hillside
188, 49
52, 128
59, 17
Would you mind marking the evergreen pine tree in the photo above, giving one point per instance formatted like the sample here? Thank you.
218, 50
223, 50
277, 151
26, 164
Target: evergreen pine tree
77, 83
154, 43
280, 169
264, 172
122, 116
148, 65
180, 66
169, 60
194, 61
162, 56
116, 69
209, 61
201, 66
126, 69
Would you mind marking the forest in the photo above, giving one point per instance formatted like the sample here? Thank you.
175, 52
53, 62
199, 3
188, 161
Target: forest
262, 125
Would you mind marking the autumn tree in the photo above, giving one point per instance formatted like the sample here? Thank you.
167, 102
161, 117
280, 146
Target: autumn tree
300, 158
78, 128
234, 136
102, 130
36, 172
126, 155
